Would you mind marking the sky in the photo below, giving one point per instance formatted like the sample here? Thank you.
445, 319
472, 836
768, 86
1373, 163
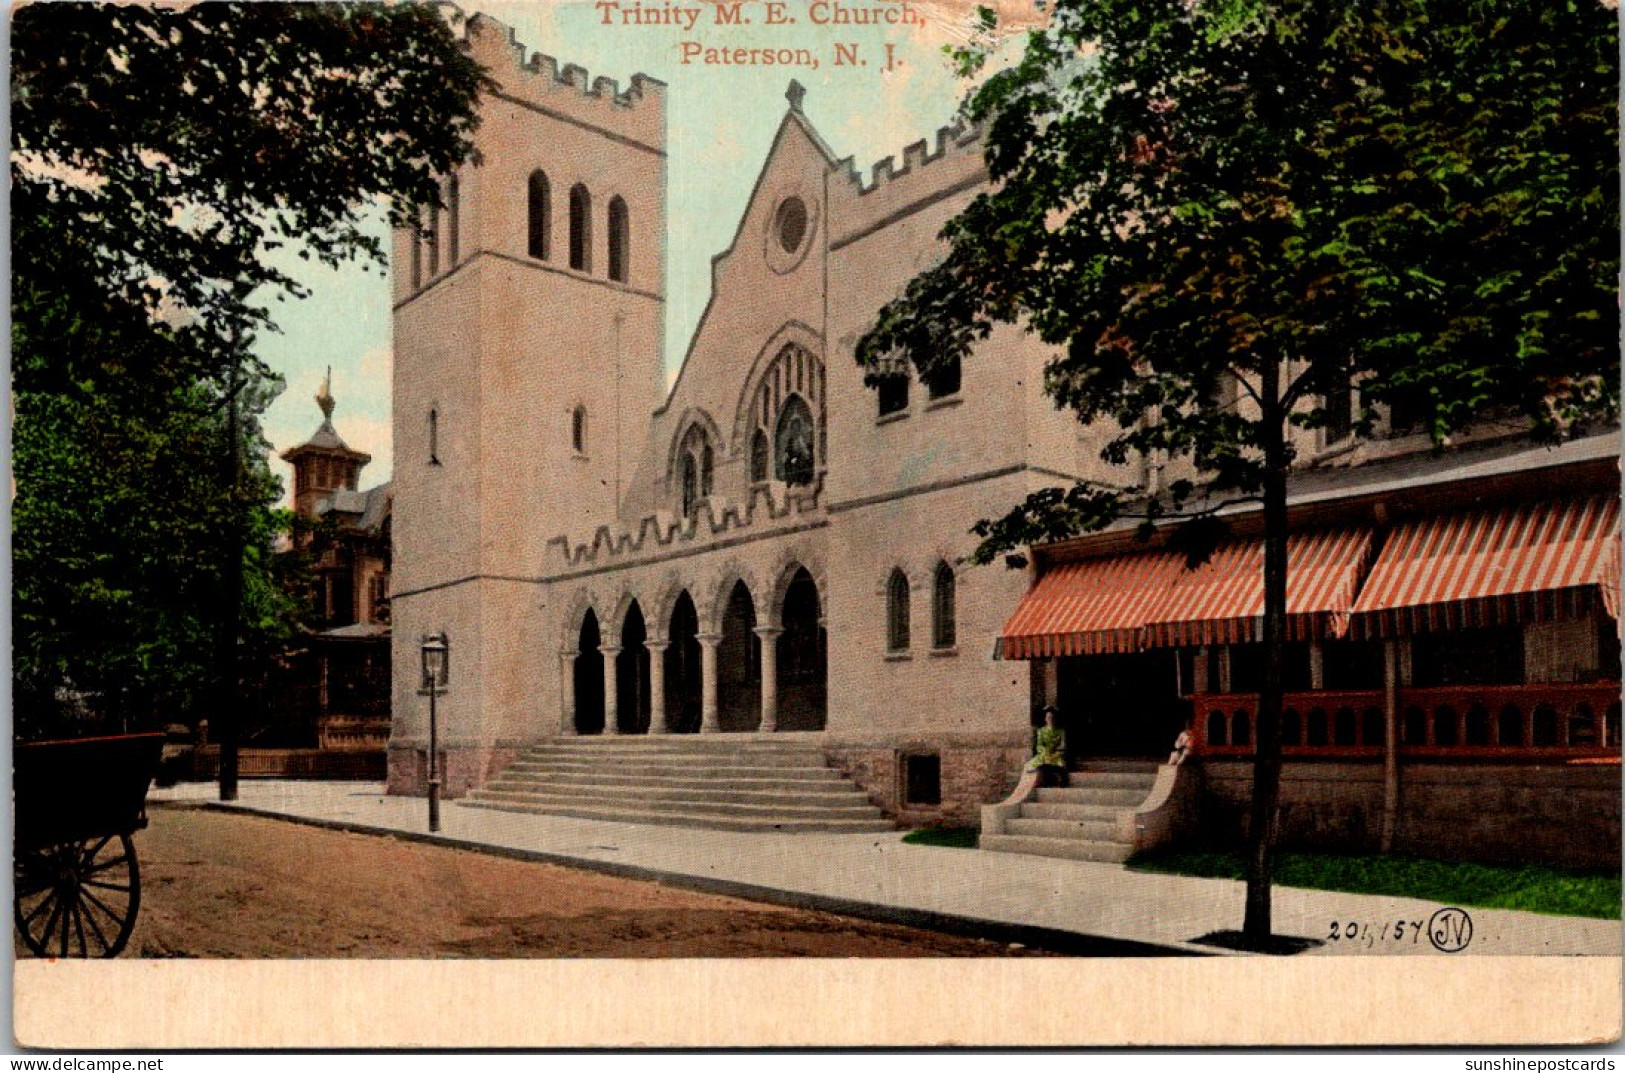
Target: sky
720, 121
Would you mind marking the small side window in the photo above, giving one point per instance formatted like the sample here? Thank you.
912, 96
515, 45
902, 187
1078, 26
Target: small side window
434, 437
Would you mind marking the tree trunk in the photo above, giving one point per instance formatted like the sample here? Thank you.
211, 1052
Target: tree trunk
226, 716
1261, 830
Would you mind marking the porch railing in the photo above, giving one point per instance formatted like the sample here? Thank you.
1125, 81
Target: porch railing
1551, 720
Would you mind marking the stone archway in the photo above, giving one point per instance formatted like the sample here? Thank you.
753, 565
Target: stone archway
801, 661
632, 674
682, 668
589, 678
739, 664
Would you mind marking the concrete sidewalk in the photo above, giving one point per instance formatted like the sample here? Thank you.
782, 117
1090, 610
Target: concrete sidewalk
1071, 906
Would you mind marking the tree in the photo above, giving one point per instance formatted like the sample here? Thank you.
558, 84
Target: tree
1221, 213
160, 154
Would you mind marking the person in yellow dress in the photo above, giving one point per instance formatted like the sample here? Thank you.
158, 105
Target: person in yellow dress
1050, 747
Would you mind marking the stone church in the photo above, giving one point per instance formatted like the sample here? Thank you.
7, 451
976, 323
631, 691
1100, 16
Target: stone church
759, 575
769, 548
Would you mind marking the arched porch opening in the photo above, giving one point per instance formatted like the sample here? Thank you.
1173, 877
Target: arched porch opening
682, 668
802, 667
589, 679
632, 675
739, 664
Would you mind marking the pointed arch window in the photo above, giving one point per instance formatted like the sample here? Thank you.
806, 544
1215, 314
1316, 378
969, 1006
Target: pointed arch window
434, 241
454, 199
697, 464
793, 440
758, 456
619, 239
691, 485
580, 228
540, 215
897, 612
578, 429
944, 630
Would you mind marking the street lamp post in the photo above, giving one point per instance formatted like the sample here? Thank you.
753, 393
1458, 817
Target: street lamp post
436, 670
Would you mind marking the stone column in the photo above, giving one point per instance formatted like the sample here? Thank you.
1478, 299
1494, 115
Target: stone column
657, 687
1317, 666
609, 653
770, 677
567, 690
709, 721
1390, 744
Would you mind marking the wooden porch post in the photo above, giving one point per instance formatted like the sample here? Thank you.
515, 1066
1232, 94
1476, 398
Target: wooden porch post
1390, 743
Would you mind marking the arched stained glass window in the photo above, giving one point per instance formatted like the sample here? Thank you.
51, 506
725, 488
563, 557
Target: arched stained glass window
758, 456
897, 612
793, 441
691, 485
707, 459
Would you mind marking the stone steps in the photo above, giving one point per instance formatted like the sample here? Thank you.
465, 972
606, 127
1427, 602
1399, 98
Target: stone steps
1076, 849
1092, 819
721, 781
718, 822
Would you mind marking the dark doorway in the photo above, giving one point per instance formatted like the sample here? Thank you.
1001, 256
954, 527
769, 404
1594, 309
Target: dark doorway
801, 657
739, 665
1121, 705
589, 675
683, 669
632, 675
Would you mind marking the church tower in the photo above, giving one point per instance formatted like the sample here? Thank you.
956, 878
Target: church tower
529, 319
323, 464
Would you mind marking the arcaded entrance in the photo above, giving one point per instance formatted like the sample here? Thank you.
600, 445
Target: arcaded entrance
801, 660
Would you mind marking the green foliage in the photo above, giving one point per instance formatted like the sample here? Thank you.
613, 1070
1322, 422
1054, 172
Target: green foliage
948, 837
1193, 199
1532, 887
159, 154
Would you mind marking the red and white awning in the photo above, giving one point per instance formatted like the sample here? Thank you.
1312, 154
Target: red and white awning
1090, 608
1533, 562
1222, 602
1151, 599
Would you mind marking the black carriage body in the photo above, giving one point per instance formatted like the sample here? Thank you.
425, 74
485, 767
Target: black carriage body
70, 791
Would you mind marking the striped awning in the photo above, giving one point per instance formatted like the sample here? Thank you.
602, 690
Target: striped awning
1091, 608
1222, 602
1151, 599
1533, 562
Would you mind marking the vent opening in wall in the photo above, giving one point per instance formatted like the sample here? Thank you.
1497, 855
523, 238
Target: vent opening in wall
922, 779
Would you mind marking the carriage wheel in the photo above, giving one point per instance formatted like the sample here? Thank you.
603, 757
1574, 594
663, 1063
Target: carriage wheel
78, 899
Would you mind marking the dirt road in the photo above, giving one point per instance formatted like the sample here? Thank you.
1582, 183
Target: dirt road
232, 886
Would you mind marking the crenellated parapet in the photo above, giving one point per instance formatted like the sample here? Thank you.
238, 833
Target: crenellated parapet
538, 79
952, 159
771, 507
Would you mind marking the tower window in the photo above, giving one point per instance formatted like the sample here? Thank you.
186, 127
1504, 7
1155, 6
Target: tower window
943, 627
897, 612
578, 429
434, 241
794, 441
619, 239
453, 211
580, 228
1339, 407
540, 211
434, 437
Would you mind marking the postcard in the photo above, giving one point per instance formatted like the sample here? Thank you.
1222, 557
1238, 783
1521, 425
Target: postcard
815, 523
